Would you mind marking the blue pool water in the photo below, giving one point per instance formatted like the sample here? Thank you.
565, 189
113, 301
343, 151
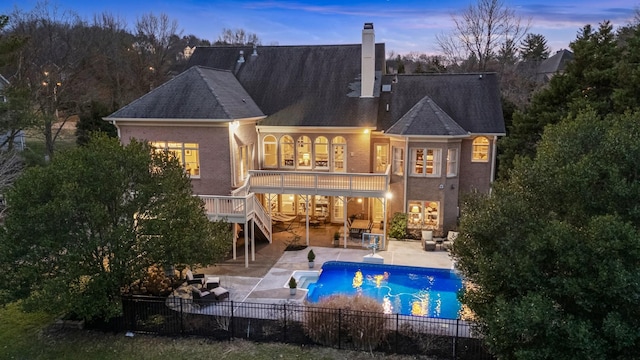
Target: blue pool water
404, 290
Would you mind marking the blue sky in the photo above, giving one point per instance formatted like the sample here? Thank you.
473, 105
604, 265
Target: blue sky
404, 26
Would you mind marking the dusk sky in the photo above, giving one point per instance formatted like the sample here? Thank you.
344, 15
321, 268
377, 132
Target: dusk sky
404, 26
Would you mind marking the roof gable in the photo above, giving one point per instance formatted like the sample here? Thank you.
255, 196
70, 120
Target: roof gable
197, 93
426, 118
471, 100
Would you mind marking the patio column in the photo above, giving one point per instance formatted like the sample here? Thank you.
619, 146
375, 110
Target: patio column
306, 200
235, 239
344, 216
246, 244
253, 240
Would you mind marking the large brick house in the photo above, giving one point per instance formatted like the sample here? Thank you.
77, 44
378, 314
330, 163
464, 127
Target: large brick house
323, 131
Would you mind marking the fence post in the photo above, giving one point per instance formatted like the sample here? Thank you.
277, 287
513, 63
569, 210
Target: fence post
181, 317
339, 326
284, 308
397, 330
455, 339
233, 327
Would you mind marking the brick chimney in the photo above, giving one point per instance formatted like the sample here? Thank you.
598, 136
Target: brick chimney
368, 61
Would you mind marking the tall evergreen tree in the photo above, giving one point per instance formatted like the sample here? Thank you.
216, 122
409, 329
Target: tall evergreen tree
534, 48
591, 79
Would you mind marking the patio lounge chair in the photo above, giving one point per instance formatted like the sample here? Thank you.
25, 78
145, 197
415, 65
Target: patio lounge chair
427, 240
204, 296
209, 282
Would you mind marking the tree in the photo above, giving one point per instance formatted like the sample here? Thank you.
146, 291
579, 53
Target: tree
480, 31
82, 229
47, 66
551, 256
237, 37
592, 78
91, 121
534, 48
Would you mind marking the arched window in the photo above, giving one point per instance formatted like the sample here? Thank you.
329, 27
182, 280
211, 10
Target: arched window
287, 151
339, 151
321, 153
270, 151
303, 150
480, 149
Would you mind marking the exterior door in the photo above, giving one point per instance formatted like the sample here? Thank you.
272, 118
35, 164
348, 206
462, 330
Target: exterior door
382, 158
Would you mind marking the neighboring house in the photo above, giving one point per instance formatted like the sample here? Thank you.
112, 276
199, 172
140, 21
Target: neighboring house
554, 65
18, 135
322, 131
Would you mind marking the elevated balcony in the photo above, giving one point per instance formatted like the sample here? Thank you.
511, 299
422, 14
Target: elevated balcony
319, 183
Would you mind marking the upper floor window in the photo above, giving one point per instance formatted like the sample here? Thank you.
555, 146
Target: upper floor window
452, 162
321, 152
187, 153
425, 162
270, 150
303, 148
339, 149
287, 151
398, 161
480, 149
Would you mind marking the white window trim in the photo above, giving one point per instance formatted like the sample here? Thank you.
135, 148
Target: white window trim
398, 161
437, 162
452, 171
474, 152
183, 155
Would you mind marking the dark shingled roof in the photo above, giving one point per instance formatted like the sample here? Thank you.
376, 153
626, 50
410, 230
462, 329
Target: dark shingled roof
301, 85
555, 63
197, 93
426, 117
471, 100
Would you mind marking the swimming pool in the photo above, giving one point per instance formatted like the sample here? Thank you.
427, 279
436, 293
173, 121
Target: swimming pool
406, 290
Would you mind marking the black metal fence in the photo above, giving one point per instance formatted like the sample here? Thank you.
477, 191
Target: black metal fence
300, 324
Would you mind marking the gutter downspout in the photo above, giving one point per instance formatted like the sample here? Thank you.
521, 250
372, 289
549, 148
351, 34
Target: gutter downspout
405, 170
494, 148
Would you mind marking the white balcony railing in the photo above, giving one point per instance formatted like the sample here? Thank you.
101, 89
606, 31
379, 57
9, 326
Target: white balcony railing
314, 183
238, 209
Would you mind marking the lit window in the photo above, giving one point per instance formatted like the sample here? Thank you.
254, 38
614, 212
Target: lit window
480, 149
304, 152
187, 153
321, 152
425, 162
287, 151
398, 161
452, 162
423, 214
270, 146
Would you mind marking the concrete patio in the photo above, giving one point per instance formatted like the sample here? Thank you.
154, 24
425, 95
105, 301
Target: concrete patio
266, 278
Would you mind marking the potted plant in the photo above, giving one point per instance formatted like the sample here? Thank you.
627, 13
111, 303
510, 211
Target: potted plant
292, 286
311, 257
336, 239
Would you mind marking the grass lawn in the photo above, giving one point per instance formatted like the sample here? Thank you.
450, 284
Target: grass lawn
29, 336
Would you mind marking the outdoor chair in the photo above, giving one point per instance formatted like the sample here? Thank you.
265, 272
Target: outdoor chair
209, 282
427, 240
202, 296
451, 237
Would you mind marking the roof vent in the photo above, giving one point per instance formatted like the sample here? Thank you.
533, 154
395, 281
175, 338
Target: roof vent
386, 88
255, 50
241, 58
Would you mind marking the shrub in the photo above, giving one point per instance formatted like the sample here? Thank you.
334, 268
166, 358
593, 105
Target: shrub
362, 321
398, 225
311, 256
292, 283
